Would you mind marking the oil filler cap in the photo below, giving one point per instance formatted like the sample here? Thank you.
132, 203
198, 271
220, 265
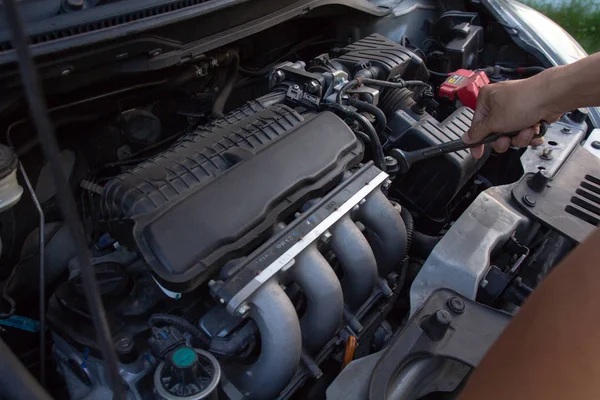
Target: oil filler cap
184, 357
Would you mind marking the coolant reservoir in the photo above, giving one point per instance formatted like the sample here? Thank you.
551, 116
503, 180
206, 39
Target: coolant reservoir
10, 190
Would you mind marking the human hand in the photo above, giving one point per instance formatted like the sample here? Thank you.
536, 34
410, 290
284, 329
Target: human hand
508, 107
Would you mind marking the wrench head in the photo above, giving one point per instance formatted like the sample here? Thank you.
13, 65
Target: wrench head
403, 164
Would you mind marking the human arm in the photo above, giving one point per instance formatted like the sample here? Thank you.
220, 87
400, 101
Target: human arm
519, 105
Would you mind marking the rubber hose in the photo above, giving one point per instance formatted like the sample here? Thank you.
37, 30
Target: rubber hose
232, 73
409, 222
423, 244
393, 99
233, 345
181, 323
395, 85
378, 156
349, 85
371, 109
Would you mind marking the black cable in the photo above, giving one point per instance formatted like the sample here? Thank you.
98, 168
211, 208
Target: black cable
400, 84
396, 85
182, 323
378, 156
42, 245
440, 74
262, 71
363, 106
232, 73
409, 221
47, 138
349, 85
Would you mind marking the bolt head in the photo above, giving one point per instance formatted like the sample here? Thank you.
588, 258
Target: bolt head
456, 304
75, 3
529, 201
155, 52
484, 283
326, 236
546, 154
443, 317
566, 129
243, 309
313, 87
296, 87
278, 76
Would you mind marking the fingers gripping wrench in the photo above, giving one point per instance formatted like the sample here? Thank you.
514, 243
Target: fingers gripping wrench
407, 158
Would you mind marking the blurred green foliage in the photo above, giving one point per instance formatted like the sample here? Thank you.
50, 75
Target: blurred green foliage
581, 18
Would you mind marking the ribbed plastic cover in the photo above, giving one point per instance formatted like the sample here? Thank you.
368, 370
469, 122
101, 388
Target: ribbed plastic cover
216, 194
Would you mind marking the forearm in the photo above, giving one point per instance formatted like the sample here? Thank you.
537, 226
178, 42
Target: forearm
571, 86
550, 350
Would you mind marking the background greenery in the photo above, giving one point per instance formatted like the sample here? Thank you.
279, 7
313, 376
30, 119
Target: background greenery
581, 18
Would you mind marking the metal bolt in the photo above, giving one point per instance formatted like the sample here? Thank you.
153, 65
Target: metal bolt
484, 283
566, 129
528, 200
443, 317
546, 153
387, 184
202, 70
278, 76
456, 304
66, 71
596, 144
75, 3
124, 344
326, 236
313, 87
155, 52
243, 309
222, 301
389, 160
295, 87
363, 201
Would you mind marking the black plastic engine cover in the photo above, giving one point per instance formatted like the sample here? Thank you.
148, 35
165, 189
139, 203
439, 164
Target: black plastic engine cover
430, 185
378, 50
192, 233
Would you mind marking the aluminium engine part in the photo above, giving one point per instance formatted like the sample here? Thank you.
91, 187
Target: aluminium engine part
292, 255
189, 374
461, 259
570, 203
10, 190
86, 375
176, 193
428, 354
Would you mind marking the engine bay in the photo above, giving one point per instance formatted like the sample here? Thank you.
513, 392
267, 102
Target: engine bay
252, 233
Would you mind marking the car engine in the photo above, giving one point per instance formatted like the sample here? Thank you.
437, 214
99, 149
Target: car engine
252, 235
